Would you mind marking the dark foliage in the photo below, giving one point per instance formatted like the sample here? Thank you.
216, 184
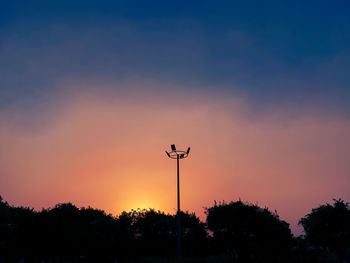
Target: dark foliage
68, 231
328, 228
249, 232
154, 233
238, 232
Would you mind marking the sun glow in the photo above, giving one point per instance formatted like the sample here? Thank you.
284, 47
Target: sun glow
142, 202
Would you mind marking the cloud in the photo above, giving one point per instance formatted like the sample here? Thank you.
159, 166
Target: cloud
272, 64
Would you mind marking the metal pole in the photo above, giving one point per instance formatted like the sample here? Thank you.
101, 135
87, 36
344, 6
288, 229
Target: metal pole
178, 154
178, 211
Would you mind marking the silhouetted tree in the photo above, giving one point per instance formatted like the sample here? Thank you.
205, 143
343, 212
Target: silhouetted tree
68, 230
193, 235
237, 230
304, 252
6, 236
248, 232
125, 238
17, 230
154, 233
328, 226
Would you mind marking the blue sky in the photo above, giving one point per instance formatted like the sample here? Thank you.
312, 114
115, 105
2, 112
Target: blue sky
272, 52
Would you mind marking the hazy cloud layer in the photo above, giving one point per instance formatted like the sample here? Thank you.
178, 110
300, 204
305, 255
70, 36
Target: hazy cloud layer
273, 53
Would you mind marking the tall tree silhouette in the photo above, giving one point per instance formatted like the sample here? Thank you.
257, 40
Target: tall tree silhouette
69, 230
248, 232
328, 226
194, 235
6, 236
154, 233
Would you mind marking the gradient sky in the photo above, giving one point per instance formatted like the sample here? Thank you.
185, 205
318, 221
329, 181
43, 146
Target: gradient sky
93, 92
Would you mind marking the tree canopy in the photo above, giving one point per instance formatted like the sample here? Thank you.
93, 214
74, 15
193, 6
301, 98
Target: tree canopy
328, 226
68, 230
248, 231
237, 231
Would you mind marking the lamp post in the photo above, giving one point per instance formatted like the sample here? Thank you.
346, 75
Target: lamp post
177, 154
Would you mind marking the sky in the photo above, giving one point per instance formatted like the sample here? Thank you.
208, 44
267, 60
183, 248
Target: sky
92, 93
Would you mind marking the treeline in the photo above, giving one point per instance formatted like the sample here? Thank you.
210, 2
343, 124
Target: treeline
233, 232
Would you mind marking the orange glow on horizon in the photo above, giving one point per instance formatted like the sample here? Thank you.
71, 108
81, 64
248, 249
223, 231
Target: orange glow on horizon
109, 154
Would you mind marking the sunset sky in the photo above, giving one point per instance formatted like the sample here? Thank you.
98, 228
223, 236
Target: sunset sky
92, 93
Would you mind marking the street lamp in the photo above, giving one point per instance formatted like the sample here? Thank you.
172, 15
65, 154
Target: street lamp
177, 154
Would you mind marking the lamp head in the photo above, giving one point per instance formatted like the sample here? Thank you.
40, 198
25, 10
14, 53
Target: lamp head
173, 148
188, 150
